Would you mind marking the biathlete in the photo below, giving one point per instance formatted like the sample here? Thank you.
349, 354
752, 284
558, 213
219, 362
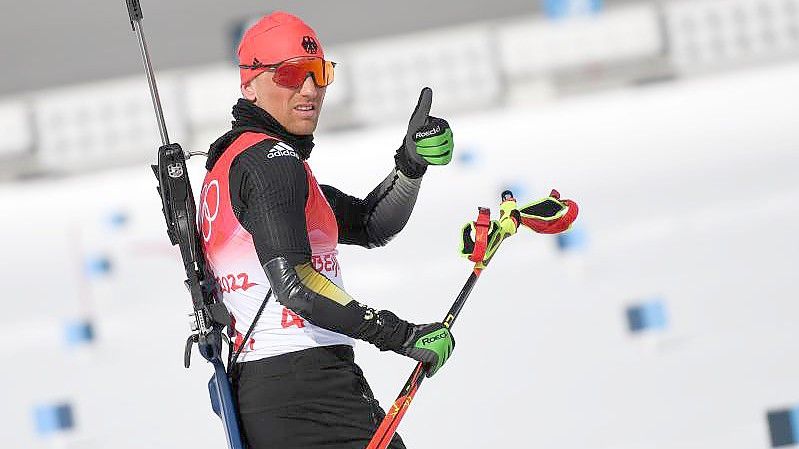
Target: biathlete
266, 224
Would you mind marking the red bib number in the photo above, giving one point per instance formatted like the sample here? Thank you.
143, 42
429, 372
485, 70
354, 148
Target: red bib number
291, 319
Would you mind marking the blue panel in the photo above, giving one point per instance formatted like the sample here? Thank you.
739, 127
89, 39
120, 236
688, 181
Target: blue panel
466, 156
635, 319
573, 240
79, 332
97, 266
558, 9
117, 219
647, 316
793, 415
655, 315
782, 427
51, 418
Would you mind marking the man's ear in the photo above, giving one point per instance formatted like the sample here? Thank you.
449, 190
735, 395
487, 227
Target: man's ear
248, 91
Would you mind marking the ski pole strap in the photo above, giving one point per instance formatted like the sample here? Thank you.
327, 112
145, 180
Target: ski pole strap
506, 226
475, 249
550, 215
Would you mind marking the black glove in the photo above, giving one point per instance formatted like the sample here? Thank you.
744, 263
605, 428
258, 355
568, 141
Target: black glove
428, 140
431, 344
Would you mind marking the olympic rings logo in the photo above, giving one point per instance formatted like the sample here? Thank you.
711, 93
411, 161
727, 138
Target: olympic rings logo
208, 215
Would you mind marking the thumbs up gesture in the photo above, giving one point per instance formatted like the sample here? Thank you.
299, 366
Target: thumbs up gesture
429, 139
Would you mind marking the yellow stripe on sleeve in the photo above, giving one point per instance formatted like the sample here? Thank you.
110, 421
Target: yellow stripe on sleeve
321, 285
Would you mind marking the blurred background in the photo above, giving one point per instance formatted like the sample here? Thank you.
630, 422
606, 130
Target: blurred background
664, 320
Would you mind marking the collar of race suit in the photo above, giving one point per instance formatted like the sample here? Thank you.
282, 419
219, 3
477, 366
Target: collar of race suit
250, 118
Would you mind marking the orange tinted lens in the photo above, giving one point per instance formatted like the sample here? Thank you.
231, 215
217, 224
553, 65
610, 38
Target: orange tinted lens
293, 73
329, 72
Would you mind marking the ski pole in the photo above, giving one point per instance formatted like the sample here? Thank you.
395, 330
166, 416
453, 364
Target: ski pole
550, 215
507, 226
177, 201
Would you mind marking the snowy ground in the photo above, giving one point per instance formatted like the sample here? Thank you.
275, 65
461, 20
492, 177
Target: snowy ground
688, 192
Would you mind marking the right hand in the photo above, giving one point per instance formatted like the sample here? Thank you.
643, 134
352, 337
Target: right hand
431, 344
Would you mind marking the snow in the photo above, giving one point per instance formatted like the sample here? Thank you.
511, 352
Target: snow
687, 192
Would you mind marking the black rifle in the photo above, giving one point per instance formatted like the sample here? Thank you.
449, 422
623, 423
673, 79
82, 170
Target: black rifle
177, 201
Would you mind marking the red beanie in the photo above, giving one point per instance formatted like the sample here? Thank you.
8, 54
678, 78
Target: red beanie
275, 38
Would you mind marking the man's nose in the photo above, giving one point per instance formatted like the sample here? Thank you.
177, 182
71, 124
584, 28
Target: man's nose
309, 88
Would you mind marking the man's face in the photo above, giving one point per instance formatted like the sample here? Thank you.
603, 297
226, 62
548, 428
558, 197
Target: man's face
296, 109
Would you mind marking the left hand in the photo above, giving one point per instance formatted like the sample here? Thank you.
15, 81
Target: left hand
429, 139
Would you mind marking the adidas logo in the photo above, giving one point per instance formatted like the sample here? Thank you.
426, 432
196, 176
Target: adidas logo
281, 149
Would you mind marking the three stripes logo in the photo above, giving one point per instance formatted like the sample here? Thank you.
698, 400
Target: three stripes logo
310, 45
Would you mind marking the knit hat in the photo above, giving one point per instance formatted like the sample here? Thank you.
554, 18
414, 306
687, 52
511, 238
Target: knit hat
275, 38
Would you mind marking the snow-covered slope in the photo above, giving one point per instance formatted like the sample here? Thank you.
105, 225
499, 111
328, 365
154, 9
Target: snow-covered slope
688, 193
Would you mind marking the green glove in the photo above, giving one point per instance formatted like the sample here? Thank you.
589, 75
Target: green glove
429, 343
429, 139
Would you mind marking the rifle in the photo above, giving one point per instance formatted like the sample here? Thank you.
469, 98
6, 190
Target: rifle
209, 316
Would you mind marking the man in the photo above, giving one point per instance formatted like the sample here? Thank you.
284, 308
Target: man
266, 223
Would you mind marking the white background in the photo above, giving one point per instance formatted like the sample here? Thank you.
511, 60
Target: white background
688, 192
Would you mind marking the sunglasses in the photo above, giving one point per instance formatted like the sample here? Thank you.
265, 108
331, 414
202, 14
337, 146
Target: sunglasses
292, 73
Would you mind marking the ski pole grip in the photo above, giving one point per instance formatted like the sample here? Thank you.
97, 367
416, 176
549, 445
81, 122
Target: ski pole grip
134, 11
509, 209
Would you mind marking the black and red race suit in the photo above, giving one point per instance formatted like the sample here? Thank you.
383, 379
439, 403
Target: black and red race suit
266, 223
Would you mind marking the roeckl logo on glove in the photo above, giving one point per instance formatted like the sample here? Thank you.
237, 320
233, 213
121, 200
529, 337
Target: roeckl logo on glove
428, 133
428, 340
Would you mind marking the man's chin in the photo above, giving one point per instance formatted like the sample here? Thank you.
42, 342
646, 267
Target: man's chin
303, 128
